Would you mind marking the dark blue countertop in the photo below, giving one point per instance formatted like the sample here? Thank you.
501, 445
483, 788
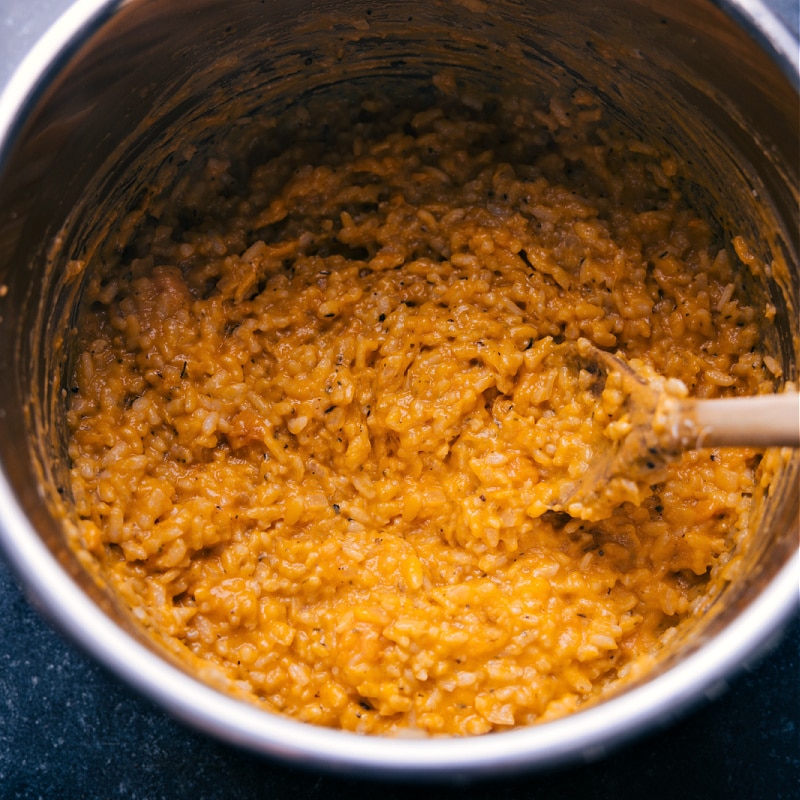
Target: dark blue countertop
68, 729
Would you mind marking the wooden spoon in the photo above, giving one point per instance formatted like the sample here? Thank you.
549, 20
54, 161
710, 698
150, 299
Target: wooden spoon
663, 422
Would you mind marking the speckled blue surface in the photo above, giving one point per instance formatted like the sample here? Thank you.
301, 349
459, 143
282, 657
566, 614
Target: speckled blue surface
70, 730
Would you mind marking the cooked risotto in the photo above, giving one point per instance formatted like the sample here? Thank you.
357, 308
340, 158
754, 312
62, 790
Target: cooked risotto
319, 408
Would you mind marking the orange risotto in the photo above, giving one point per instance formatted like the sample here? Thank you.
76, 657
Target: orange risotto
315, 403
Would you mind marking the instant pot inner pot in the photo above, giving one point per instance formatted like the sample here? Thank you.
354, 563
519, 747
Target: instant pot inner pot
111, 128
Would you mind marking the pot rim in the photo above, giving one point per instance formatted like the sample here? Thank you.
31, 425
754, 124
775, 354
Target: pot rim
585, 735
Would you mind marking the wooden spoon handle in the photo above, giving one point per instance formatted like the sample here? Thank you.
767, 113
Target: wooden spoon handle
770, 420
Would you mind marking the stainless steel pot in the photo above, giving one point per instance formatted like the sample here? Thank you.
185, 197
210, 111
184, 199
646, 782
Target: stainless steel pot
90, 119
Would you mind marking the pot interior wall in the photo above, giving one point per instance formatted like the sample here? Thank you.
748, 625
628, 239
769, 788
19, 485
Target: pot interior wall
155, 78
